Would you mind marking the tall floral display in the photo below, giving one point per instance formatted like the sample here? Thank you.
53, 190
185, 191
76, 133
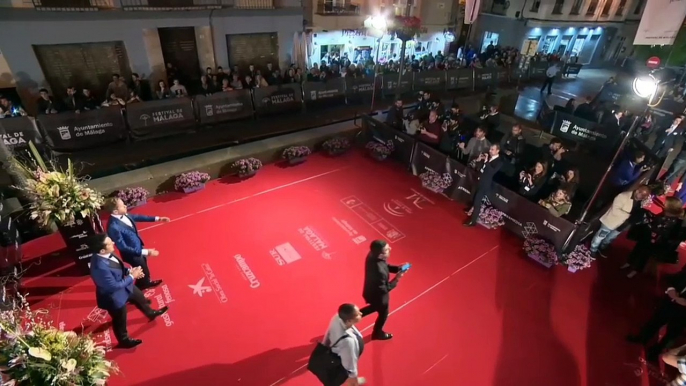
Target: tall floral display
33, 352
59, 197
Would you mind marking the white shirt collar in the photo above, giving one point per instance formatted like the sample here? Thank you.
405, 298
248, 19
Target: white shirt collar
494, 157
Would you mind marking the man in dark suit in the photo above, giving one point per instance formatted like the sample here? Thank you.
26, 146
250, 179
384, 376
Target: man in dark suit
377, 286
670, 312
123, 231
114, 288
666, 140
491, 166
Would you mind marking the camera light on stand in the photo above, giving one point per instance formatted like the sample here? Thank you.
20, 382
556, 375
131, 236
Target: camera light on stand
645, 86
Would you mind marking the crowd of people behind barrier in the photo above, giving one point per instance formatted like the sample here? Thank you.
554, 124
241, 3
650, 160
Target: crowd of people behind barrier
121, 92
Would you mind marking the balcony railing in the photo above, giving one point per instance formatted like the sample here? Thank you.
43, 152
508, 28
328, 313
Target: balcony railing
73, 5
331, 8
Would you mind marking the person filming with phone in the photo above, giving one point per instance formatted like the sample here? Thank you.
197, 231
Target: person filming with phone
378, 285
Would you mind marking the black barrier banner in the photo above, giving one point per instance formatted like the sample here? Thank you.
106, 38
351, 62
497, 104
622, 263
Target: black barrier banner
160, 118
224, 106
402, 143
669, 108
526, 218
573, 68
579, 130
390, 83
17, 132
76, 236
460, 79
502, 75
429, 80
321, 91
427, 158
362, 85
278, 99
485, 77
611, 93
70, 131
537, 70
464, 182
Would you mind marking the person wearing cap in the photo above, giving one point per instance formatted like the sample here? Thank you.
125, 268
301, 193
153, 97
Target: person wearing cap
377, 285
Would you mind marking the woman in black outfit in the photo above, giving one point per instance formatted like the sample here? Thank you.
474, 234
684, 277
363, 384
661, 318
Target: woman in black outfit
531, 182
659, 237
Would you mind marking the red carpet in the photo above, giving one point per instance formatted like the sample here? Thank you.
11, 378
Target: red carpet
254, 270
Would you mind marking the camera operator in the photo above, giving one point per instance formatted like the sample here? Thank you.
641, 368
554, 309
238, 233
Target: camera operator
394, 116
452, 133
512, 146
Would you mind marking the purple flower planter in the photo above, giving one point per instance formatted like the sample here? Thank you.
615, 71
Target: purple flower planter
296, 160
572, 269
137, 204
194, 188
378, 156
540, 261
487, 226
247, 174
432, 188
337, 152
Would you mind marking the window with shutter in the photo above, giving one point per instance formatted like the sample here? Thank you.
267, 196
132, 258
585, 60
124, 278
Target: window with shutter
257, 49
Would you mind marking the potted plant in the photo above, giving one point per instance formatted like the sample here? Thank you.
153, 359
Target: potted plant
490, 217
380, 151
436, 182
57, 196
133, 197
33, 352
336, 146
540, 250
296, 154
579, 259
246, 167
191, 181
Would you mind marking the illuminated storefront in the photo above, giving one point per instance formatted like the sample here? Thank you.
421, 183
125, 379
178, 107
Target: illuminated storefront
359, 46
581, 42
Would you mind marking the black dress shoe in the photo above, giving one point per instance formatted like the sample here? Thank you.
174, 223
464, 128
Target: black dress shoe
382, 336
467, 209
151, 284
157, 313
129, 343
634, 339
469, 223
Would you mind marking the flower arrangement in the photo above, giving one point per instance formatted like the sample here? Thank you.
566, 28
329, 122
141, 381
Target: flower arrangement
133, 196
57, 196
246, 166
191, 181
338, 145
541, 250
33, 352
491, 217
436, 182
579, 258
295, 152
380, 150
407, 27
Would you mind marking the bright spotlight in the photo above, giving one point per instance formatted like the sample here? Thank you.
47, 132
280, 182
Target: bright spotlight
645, 86
379, 22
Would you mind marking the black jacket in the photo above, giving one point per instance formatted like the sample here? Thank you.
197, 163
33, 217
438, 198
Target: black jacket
489, 172
514, 145
376, 278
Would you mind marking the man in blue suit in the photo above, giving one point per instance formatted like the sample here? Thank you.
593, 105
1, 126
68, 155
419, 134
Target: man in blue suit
123, 231
114, 288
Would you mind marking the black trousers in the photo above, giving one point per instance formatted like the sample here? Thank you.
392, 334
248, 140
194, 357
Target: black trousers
381, 306
639, 256
476, 204
119, 315
668, 313
548, 82
140, 261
